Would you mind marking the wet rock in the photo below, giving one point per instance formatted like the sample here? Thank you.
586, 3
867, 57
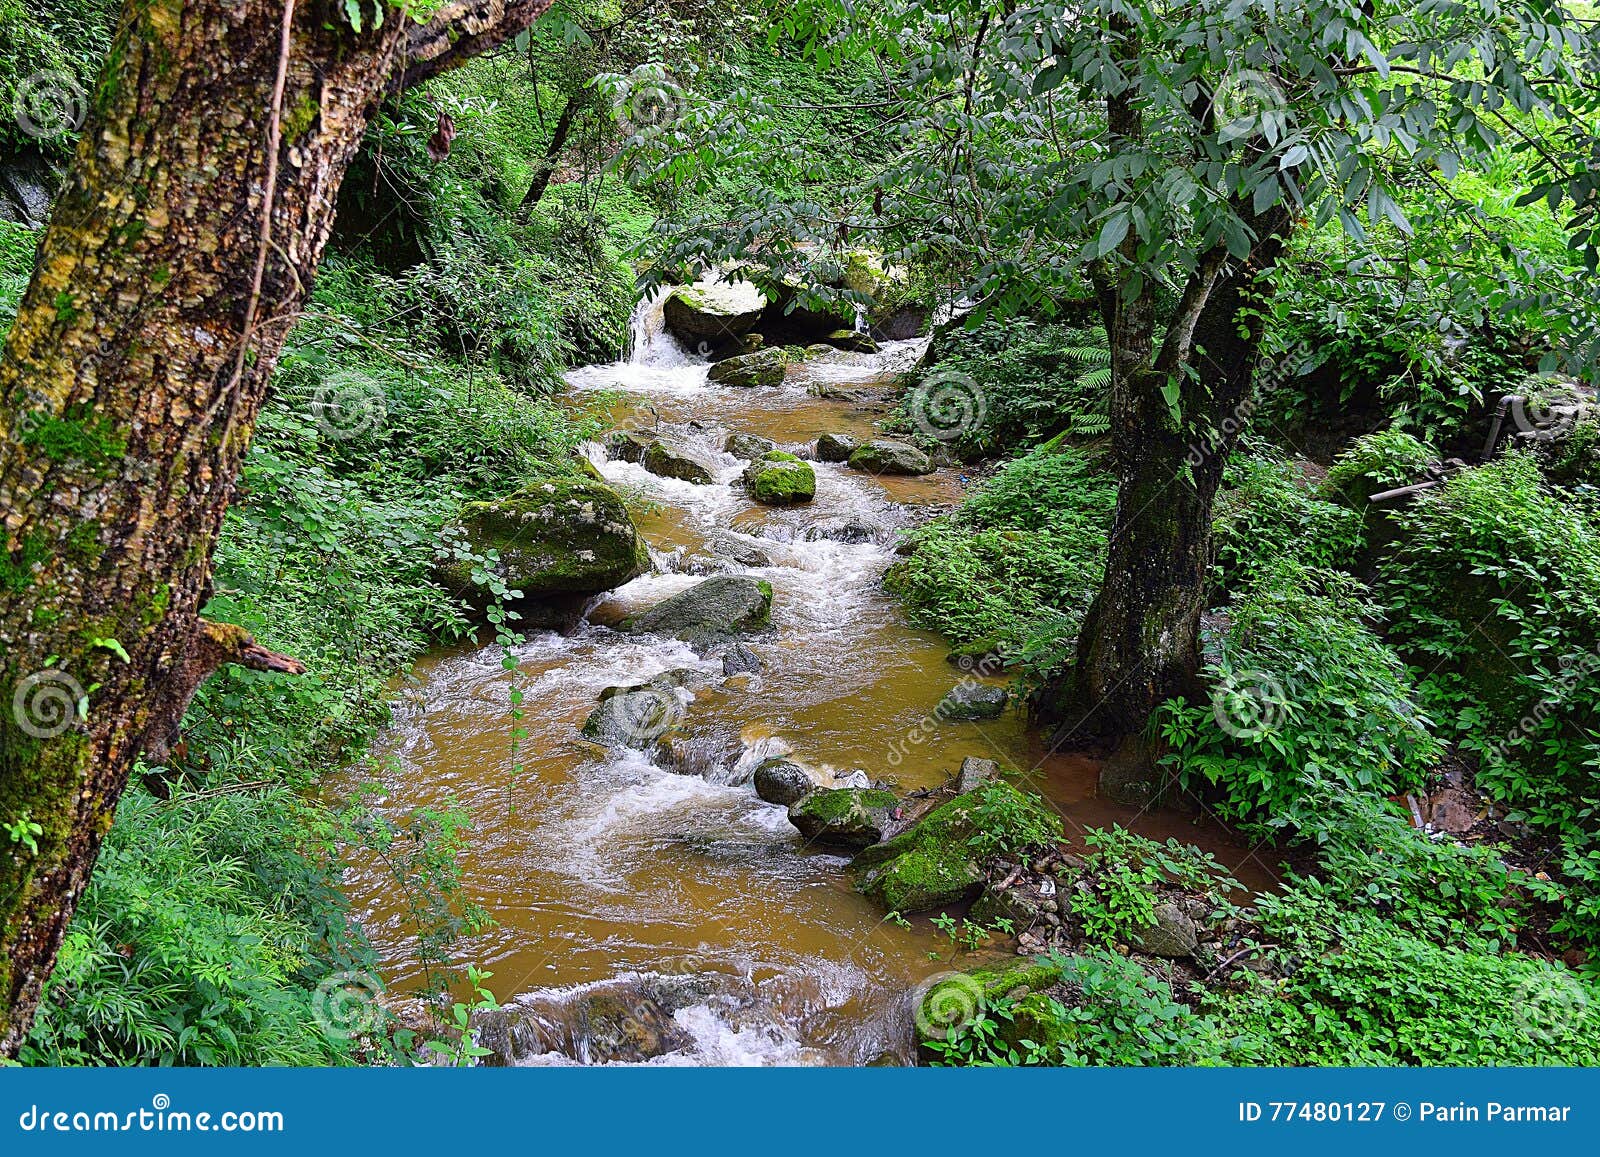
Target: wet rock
930, 864
836, 447
748, 446
562, 537
779, 479
741, 659
1023, 908
1173, 935
720, 606
782, 781
762, 368
27, 185
982, 655
851, 341
844, 817
634, 719
713, 310
973, 701
688, 678
734, 548
733, 347
975, 773
661, 459
853, 531
818, 349
882, 456
626, 446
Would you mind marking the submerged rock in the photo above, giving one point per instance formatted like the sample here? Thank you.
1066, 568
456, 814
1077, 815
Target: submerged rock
836, 447
688, 678
561, 537
853, 531
724, 605
780, 479
663, 460
882, 456
973, 701
626, 446
729, 546
762, 368
741, 659
783, 781
748, 446
844, 817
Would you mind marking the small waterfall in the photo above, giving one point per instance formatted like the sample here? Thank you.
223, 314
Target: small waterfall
649, 343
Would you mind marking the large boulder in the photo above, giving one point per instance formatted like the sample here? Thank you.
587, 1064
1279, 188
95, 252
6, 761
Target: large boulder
844, 817
882, 456
560, 537
715, 608
762, 368
933, 864
713, 310
783, 781
836, 447
663, 460
780, 479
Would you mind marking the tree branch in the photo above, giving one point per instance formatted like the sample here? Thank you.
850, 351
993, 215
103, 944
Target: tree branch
459, 31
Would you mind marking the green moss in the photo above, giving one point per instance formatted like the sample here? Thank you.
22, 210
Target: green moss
837, 804
300, 117
781, 479
77, 436
16, 574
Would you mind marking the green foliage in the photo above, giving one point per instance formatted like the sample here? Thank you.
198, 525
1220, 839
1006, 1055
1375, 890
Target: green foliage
1266, 513
65, 41
1375, 463
1299, 680
1494, 590
1575, 459
1007, 822
1123, 871
199, 941
1019, 559
1035, 380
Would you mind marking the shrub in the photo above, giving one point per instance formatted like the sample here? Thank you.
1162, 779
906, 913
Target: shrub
1266, 513
1375, 463
1018, 561
1299, 679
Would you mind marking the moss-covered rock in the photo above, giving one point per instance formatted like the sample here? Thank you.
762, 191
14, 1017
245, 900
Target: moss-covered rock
882, 456
762, 368
713, 310
852, 341
716, 608
748, 446
836, 447
971, 700
932, 864
953, 1000
563, 536
780, 479
845, 817
667, 462
636, 719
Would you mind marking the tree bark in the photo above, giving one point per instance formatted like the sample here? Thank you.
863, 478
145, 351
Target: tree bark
176, 260
547, 163
1140, 640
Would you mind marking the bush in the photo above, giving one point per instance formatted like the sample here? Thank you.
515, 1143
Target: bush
1018, 561
1299, 680
1375, 463
1266, 512
1494, 589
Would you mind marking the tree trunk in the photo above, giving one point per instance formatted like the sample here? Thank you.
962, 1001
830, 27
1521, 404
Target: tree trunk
1140, 641
177, 258
547, 163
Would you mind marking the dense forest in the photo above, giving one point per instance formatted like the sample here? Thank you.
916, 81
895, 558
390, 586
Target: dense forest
713, 531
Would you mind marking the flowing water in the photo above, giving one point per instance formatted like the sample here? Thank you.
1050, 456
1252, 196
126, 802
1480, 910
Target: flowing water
617, 885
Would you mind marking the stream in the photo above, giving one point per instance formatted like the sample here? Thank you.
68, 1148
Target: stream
647, 915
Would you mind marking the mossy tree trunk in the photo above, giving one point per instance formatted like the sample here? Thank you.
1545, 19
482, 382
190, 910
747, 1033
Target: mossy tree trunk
177, 258
1177, 413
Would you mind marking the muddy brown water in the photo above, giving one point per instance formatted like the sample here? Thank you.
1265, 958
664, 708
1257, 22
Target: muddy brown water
606, 874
